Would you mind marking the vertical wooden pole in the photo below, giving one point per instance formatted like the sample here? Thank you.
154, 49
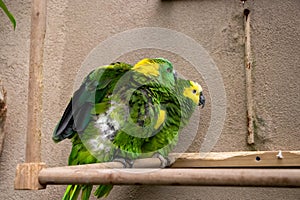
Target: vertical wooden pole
35, 88
248, 68
27, 173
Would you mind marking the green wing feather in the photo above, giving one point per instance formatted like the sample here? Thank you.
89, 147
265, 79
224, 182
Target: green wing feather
88, 100
92, 91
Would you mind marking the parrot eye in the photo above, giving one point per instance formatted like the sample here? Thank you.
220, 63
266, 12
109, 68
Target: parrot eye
169, 70
194, 91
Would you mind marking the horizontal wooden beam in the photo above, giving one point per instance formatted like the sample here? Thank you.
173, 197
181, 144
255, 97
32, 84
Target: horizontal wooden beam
238, 159
195, 177
241, 164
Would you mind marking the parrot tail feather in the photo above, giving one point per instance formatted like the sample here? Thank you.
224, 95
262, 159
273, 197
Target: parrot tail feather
86, 192
103, 190
72, 192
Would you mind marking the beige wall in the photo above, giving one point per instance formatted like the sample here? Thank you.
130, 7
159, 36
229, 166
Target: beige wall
74, 28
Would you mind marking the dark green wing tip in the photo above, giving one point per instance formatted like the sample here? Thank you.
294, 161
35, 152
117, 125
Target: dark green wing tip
57, 139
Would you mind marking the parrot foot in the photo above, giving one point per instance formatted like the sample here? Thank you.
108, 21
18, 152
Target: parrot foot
127, 163
165, 162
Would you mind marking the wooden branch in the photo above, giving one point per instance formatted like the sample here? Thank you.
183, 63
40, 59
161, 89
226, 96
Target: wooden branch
207, 177
248, 68
35, 88
3, 110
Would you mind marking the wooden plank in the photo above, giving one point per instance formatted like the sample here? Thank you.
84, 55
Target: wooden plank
212, 160
237, 159
199, 177
35, 87
27, 176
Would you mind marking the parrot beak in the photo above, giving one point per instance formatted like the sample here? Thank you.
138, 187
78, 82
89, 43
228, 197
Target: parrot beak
202, 100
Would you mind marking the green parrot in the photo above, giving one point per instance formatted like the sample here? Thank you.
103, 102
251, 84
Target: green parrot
181, 106
114, 104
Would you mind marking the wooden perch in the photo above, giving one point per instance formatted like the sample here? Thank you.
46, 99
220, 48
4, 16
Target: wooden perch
110, 173
98, 173
202, 177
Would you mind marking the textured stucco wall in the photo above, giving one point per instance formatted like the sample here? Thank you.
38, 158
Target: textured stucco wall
75, 28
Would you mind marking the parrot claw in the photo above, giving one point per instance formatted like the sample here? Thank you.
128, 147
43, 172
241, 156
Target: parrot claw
127, 163
165, 162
